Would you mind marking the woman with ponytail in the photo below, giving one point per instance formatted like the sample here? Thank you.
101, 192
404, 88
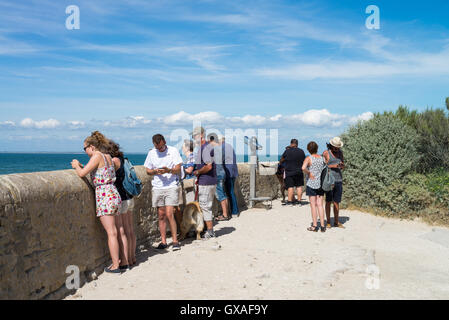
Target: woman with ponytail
108, 201
128, 248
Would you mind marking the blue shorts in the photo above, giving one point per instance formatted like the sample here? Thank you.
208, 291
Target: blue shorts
314, 192
335, 194
220, 192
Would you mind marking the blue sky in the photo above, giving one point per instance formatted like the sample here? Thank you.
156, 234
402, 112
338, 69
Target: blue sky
136, 68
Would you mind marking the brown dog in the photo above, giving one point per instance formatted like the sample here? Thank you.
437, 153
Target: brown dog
192, 217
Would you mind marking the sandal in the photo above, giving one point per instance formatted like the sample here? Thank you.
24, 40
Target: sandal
339, 225
314, 229
222, 218
109, 270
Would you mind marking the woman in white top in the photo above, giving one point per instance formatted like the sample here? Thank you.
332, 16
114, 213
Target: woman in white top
312, 166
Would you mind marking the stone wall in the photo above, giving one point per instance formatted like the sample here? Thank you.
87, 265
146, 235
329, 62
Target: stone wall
48, 222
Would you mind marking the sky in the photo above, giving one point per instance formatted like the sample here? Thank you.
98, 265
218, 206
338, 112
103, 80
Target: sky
296, 69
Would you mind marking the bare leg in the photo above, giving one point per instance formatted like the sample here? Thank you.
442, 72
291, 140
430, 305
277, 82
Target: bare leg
328, 212
224, 207
108, 223
171, 219
290, 194
162, 223
178, 217
299, 193
209, 225
336, 213
122, 240
313, 208
320, 208
129, 232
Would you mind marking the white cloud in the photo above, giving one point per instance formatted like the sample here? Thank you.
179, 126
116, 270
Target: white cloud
129, 122
183, 117
362, 117
7, 124
318, 118
44, 124
408, 64
76, 124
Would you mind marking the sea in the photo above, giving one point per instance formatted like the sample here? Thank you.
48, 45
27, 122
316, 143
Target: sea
36, 162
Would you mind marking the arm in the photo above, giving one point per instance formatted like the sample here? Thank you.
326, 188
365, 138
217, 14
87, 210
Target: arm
305, 170
90, 166
203, 170
189, 170
175, 170
153, 172
116, 162
326, 158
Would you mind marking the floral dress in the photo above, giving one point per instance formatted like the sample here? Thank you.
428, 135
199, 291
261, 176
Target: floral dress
107, 197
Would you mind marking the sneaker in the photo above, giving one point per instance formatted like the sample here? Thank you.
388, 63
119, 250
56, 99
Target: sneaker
162, 246
176, 246
208, 235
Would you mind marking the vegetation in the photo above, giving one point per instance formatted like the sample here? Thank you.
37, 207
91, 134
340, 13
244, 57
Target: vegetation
397, 164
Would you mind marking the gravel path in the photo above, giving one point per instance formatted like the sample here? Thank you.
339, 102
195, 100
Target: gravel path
269, 254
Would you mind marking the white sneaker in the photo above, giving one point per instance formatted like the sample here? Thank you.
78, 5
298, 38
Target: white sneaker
207, 235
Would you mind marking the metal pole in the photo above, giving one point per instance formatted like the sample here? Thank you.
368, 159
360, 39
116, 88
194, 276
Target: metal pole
252, 172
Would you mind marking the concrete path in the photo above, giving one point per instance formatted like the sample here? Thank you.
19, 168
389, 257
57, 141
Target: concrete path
269, 254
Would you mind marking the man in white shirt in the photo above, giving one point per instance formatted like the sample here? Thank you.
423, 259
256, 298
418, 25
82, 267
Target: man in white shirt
164, 163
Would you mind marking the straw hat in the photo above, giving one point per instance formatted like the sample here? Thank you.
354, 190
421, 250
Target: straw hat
336, 142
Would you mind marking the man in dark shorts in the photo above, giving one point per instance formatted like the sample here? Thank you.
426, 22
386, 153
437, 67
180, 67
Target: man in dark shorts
335, 161
293, 158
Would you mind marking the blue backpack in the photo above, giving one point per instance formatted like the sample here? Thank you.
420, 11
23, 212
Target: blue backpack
131, 183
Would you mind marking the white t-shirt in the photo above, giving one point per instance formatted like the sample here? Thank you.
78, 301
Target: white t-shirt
169, 158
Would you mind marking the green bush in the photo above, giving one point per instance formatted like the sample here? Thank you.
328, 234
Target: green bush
432, 127
378, 154
438, 184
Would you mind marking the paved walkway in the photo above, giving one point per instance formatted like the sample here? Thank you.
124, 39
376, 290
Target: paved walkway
269, 254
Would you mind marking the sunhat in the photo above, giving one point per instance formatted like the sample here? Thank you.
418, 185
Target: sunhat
336, 142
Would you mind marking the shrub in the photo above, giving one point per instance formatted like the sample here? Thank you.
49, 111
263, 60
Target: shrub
432, 127
438, 184
379, 153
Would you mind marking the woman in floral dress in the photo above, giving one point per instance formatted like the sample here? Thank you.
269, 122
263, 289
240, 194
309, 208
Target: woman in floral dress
108, 201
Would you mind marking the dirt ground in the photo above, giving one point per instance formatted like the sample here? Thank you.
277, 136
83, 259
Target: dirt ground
269, 254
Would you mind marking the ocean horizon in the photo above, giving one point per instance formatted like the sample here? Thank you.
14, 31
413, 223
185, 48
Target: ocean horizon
25, 162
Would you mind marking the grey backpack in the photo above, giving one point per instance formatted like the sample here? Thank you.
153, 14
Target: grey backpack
327, 179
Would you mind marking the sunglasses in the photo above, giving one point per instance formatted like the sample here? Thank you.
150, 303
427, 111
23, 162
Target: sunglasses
85, 148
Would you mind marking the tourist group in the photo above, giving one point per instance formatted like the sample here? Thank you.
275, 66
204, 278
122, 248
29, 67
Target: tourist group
210, 170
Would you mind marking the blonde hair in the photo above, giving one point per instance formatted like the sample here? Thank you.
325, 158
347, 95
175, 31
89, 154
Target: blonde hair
99, 141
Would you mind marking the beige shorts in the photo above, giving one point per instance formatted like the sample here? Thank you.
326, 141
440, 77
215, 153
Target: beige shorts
126, 206
165, 197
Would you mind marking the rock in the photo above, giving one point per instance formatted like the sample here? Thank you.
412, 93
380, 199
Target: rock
263, 276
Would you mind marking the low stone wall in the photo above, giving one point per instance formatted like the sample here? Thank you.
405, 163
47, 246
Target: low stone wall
48, 222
